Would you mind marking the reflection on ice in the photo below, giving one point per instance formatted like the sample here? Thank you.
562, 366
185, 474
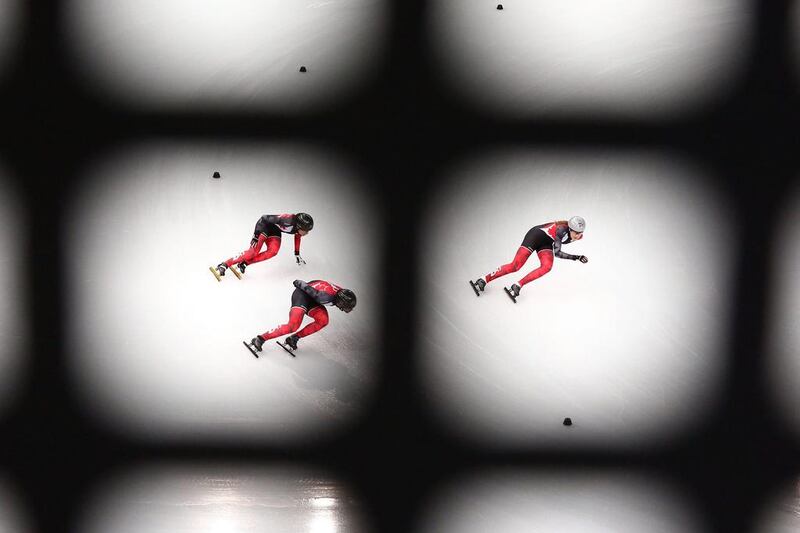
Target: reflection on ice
177, 500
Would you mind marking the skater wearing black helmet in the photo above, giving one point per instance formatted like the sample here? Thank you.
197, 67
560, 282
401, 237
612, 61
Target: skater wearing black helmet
546, 240
268, 232
307, 299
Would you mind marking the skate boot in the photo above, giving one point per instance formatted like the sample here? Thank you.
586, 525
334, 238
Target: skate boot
242, 266
257, 342
513, 292
479, 285
291, 341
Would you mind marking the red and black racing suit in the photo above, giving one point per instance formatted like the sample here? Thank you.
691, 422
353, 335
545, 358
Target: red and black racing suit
307, 299
268, 231
546, 241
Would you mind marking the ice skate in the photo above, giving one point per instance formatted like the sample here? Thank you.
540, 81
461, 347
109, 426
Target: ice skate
219, 271
236, 272
291, 341
513, 292
257, 342
290, 344
478, 285
254, 345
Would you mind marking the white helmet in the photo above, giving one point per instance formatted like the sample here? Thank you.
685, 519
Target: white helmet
577, 224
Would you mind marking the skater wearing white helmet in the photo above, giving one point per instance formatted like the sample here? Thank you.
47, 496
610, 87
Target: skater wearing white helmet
546, 240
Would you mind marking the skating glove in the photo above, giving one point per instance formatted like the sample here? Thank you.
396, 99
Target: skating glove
583, 259
300, 260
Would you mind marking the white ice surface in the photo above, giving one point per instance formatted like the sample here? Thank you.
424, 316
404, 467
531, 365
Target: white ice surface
505, 501
156, 341
13, 305
630, 345
226, 53
219, 499
783, 338
626, 58
782, 514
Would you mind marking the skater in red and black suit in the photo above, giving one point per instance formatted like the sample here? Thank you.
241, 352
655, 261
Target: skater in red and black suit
268, 232
546, 241
309, 299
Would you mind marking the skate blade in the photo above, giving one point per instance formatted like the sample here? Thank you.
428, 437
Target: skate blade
475, 288
250, 349
216, 274
285, 347
236, 272
510, 294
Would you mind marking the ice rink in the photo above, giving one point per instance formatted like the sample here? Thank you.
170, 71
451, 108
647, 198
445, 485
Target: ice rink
783, 337
514, 501
226, 54
156, 342
219, 499
13, 305
624, 58
630, 345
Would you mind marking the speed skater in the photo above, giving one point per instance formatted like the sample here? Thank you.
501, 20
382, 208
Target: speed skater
308, 299
268, 232
546, 240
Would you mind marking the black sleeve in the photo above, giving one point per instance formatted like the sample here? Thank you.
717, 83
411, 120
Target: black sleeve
562, 255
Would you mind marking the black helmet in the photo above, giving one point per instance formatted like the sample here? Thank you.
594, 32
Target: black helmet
303, 221
345, 300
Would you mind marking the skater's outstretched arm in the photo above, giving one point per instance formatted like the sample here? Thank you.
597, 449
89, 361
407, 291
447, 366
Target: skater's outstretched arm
563, 255
320, 297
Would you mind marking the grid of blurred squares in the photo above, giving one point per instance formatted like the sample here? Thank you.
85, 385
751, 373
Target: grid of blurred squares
576, 61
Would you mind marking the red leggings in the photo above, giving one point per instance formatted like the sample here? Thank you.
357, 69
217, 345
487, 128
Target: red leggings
319, 314
251, 255
545, 258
